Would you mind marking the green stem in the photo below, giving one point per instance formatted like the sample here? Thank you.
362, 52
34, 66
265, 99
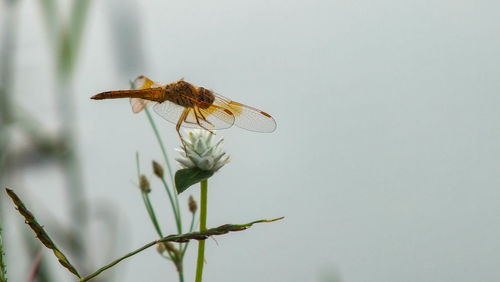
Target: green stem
149, 208
138, 165
151, 213
190, 230
203, 227
146, 200
174, 207
165, 156
117, 261
3, 270
202, 235
181, 273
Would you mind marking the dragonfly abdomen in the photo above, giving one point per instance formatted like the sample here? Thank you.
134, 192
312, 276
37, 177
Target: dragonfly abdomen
152, 94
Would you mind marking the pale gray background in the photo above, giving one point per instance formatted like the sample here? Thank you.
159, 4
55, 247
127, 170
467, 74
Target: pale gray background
386, 157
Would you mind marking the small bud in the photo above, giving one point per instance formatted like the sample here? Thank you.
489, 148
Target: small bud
158, 169
192, 204
144, 184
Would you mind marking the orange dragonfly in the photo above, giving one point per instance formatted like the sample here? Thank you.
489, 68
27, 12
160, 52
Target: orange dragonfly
184, 104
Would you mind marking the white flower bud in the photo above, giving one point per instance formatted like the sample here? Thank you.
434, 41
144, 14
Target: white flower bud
201, 152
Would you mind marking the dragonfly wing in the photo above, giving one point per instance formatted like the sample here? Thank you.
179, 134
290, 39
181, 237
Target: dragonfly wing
138, 104
212, 117
247, 117
142, 82
171, 112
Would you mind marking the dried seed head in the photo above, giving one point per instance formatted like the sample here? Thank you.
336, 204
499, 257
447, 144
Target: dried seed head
158, 169
144, 184
192, 204
165, 246
160, 248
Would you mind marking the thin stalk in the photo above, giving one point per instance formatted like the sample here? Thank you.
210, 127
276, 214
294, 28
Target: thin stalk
3, 269
138, 165
202, 235
151, 213
146, 200
203, 227
175, 208
165, 156
158, 137
181, 275
100, 270
190, 230
149, 208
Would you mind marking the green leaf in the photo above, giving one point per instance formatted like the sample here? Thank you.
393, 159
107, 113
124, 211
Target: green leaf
186, 177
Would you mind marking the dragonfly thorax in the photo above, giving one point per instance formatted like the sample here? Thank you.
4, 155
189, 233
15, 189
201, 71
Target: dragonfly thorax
187, 95
205, 97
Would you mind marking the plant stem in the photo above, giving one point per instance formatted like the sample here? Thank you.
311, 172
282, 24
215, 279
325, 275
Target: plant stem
149, 208
151, 213
117, 261
203, 227
190, 230
146, 200
165, 156
200, 236
3, 270
181, 273
174, 207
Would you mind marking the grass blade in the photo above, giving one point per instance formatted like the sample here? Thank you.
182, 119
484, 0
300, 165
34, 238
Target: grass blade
181, 238
40, 232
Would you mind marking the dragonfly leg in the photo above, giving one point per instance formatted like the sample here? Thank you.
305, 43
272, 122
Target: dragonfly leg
203, 117
182, 119
198, 120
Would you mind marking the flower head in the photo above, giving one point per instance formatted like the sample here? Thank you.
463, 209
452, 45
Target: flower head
202, 152
192, 204
144, 184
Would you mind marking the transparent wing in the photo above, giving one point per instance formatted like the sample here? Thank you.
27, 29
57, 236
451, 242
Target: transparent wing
171, 112
138, 104
212, 117
142, 82
247, 117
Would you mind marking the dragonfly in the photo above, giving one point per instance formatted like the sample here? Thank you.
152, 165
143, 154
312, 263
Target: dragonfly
187, 105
